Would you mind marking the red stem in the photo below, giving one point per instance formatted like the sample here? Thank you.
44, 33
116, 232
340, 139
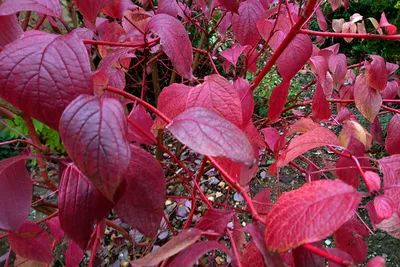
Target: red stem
95, 244
142, 45
326, 255
234, 248
351, 35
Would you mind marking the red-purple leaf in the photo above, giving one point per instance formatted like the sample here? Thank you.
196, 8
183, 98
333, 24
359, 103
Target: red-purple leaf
32, 242
169, 7
48, 7
73, 255
262, 201
301, 49
252, 256
278, 100
377, 261
245, 93
244, 24
321, 20
183, 240
11, 30
230, 5
215, 220
232, 54
77, 196
338, 66
320, 106
390, 28
271, 136
55, 228
302, 257
190, 255
218, 95
89, 9
116, 8
94, 134
339, 253
42, 73
392, 143
349, 27
368, 101
175, 42
143, 119
372, 214
140, 207
349, 238
310, 213
391, 226
384, 207
391, 176
376, 132
335, 4
315, 138
373, 181
15, 192
209, 134
376, 74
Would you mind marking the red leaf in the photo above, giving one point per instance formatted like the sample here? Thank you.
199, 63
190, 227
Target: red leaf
377, 261
240, 172
232, 54
239, 237
302, 126
11, 30
376, 74
218, 95
335, 4
116, 8
140, 207
73, 255
244, 24
168, 105
368, 101
391, 226
207, 133
304, 258
190, 255
169, 7
391, 176
372, 214
278, 99
293, 220
320, 106
265, 28
384, 207
113, 32
390, 90
89, 9
175, 42
230, 5
31, 82
321, 20
32, 242
390, 28
376, 132
373, 180
94, 134
144, 120
183, 240
252, 256
77, 196
338, 67
392, 143
215, 220
318, 137
245, 93
15, 192
349, 238
301, 49
339, 253
262, 201
349, 27
271, 136
55, 228
48, 7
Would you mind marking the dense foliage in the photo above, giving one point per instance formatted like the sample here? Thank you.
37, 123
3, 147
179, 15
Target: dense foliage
159, 103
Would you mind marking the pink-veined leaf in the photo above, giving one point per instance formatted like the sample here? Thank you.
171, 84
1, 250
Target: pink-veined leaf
218, 95
32, 242
30, 80
265, 28
338, 66
11, 30
302, 257
349, 27
335, 4
301, 49
384, 207
315, 138
368, 101
377, 261
252, 256
244, 24
339, 253
48, 7
215, 220
337, 24
116, 8
89, 9
169, 7
320, 105
183, 240
73, 255
391, 176
140, 207
372, 180
94, 134
391, 226
392, 143
232, 54
321, 19
390, 28
230, 5
390, 90
113, 33
310, 213
245, 93
376, 73
55, 228
168, 105
207, 133
189, 256
376, 132
349, 238
15, 192
143, 119
175, 42
77, 196
139, 17
278, 100
262, 201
